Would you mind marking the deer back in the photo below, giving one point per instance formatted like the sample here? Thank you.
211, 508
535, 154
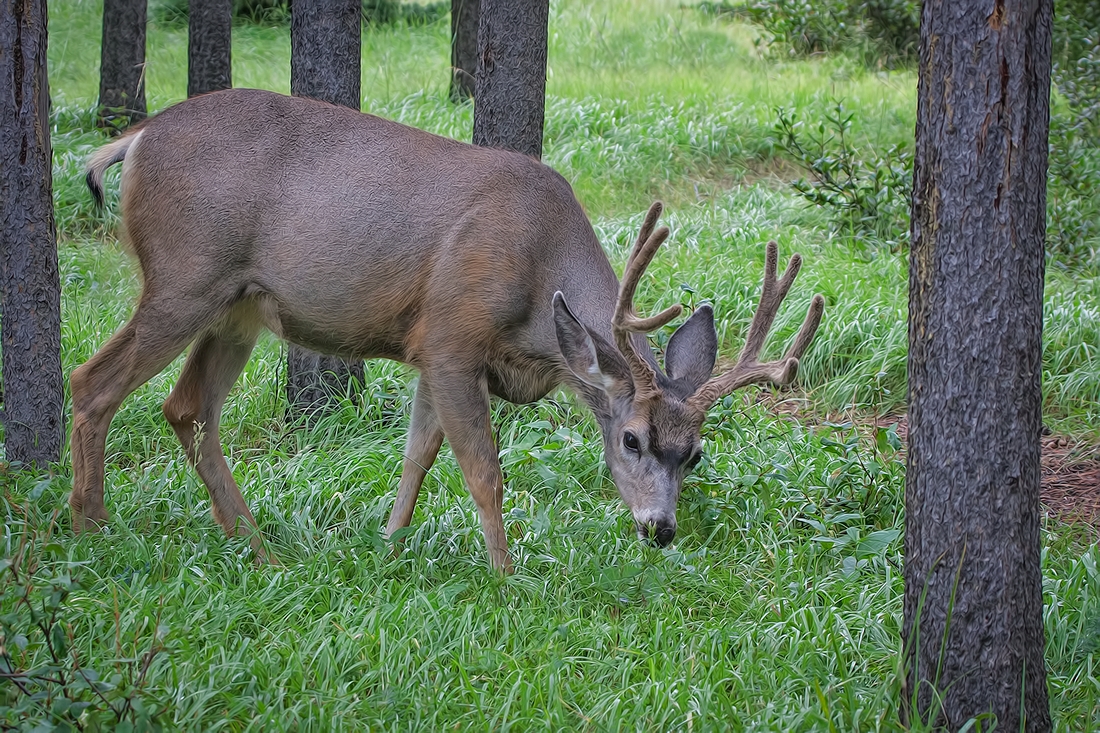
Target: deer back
366, 237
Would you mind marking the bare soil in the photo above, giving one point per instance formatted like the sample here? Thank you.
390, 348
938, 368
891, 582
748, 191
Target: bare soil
1070, 482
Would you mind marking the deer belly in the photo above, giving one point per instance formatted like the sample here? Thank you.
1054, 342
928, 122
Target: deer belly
351, 338
519, 382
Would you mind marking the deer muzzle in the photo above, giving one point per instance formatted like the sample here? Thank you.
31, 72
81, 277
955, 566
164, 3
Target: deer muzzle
656, 529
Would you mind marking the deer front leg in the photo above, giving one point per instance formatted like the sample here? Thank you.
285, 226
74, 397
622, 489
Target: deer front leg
462, 404
425, 437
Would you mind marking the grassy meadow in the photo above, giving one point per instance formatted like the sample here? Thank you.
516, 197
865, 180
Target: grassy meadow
778, 607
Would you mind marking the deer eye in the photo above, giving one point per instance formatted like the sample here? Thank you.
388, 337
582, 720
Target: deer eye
630, 442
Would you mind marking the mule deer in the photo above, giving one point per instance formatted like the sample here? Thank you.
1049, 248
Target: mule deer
357, 236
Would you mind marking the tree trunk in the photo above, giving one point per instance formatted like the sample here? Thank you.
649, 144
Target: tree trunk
973, 588
30, 291
325, 58
326, 43
464, 25
122, 64
209, 46
510, 89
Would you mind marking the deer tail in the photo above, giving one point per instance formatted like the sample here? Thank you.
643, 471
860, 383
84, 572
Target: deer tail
103, 159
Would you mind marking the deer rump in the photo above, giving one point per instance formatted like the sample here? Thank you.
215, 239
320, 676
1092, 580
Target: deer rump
360, 237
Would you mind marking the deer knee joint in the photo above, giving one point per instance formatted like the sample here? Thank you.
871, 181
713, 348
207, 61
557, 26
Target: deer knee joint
180, 412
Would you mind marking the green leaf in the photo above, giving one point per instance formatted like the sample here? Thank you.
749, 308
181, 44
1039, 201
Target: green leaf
60, 706
59, 640
876, 542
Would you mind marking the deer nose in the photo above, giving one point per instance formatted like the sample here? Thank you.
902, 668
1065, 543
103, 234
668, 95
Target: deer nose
661, 532
665, 535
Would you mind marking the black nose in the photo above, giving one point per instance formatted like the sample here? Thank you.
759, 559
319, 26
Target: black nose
664, 535
659, 532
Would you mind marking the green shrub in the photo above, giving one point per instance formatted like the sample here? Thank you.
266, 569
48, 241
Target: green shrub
884, 32
1076, 57
46, 686
867, 199
1073, 198
1073, 201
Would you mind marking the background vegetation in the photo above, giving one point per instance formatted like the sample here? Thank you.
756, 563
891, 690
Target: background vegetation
779, 606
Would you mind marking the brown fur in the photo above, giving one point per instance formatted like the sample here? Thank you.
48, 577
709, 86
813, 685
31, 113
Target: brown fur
356, 236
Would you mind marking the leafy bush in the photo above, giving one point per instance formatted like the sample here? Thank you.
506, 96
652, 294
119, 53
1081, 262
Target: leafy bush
375, 12
45, 687
1076, 52
1073, 198
1073, 201
883, 31
868, 199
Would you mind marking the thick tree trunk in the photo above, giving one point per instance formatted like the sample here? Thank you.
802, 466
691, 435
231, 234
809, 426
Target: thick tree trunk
510, 90
209, 46
31, 291
326, 43
973, 587
325, 59
464, 25
122, 64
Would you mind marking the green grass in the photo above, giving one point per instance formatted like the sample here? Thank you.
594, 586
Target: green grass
779, 608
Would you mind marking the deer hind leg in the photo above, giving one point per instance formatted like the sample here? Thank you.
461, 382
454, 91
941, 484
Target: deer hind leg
463, 412
194, 410
152, 338
425, 437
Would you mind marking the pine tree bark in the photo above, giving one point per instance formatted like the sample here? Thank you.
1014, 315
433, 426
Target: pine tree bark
326, 43
973, 625
122, 64
30, 290
510, 88
464, 26
209, 46
325, 59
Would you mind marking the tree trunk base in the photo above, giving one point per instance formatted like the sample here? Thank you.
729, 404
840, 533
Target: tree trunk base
316, 382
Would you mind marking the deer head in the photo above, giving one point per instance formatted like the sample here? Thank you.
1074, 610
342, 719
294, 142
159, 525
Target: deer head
652, 420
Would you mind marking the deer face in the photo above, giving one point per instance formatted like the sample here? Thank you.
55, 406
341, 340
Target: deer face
651, 420
650, 452
651, 438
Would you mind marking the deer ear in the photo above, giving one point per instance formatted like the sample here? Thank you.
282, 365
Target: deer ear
693, 348
594, 361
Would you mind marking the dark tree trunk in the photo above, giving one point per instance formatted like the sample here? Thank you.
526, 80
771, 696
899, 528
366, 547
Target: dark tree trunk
973, 586
510, 93
326, 43
325, 58
209, 46
122, 64
30, 324
464, 24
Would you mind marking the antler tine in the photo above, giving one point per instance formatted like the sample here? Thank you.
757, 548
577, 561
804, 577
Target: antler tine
648, 223
625, 322
808, 330
748, 369
771, 296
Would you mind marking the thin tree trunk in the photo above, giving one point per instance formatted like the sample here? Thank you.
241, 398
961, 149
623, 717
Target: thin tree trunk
209, 46
510, 90
30, 291
464, 25
973, 587
122, 64
325, 59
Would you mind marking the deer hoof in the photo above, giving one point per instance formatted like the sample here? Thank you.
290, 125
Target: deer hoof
89, 520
